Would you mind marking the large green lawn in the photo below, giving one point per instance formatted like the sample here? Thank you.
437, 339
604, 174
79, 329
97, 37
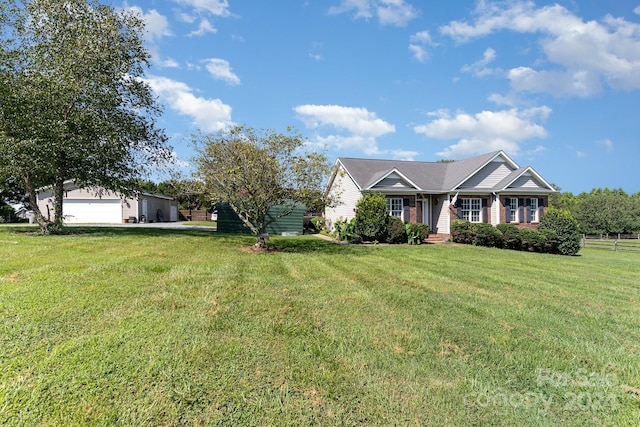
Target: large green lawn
158, 327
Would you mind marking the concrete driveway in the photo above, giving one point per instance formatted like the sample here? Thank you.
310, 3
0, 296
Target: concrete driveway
182, 225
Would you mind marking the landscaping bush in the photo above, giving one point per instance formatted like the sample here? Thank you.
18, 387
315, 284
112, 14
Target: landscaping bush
566, 229
371, 217
416, 233
345, 230
551, 243
7, 214
510, 236
532, 240
317, 223
486, 235
461, 231
396, 231
506, 236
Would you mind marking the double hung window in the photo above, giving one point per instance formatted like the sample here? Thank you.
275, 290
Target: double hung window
513, 209
394, 206
533, 210
471, 209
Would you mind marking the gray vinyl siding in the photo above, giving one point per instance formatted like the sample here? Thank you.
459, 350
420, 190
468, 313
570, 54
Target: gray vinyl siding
488, 176
348, 193
392, 183
441, 211
526, 181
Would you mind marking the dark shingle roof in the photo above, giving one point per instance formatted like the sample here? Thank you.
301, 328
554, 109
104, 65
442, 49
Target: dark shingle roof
428, 176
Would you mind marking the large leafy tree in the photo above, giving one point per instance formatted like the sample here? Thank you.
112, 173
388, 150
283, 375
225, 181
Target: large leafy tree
254, 170
73, 104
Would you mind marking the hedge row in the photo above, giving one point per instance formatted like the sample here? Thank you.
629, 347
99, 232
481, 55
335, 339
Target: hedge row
395, 232
557, 234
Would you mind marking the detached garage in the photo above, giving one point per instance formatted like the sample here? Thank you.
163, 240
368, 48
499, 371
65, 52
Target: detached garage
84, 206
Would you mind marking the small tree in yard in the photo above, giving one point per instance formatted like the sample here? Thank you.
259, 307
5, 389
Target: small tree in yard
253, 170
372, 216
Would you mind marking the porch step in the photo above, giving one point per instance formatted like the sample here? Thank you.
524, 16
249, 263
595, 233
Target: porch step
437, 238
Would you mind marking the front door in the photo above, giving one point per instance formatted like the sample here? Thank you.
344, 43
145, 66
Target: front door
425, 213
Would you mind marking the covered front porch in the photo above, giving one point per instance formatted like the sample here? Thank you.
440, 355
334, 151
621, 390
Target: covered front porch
422, 208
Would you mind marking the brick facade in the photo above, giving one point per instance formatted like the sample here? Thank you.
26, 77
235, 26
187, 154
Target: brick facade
486, 207
520, 223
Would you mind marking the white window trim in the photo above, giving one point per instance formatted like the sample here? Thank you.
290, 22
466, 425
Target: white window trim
514, 209
390, 206
468, 208
534, 210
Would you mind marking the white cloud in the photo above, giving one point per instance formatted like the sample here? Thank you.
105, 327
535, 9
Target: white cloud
419, 52
169, 63
210, 115
388, 12
395, 12
214, 7
607, 144
176, 161
578, 83
221, 70
533, 153
479, 68
417, 46
156, 27
582, 54
485, 131
205, 27
404, 154
314, 53
637, 10
361, 126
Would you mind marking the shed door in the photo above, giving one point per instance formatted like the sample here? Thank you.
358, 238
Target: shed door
92, 211
173, 213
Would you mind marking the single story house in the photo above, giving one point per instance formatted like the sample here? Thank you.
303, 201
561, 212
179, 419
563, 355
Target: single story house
489, 188
95, 205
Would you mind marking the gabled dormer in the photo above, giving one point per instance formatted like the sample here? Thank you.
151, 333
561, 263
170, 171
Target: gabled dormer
392, 180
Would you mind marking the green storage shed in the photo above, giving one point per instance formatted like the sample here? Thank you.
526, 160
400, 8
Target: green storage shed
288, 225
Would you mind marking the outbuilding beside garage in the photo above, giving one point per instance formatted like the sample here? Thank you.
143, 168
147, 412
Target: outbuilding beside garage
288, 225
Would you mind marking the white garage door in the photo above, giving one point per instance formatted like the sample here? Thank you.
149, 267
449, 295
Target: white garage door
92, 211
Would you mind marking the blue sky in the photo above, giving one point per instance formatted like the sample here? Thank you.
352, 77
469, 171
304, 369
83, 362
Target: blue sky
554, 85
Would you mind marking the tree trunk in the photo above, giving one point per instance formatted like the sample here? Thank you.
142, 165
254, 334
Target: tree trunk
33, 201
261, 239
58, 194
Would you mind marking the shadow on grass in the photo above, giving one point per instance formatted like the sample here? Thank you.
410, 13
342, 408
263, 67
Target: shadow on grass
277, 244
310, 244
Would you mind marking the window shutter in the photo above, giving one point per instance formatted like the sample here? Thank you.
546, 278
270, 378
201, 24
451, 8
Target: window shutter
521, 209
406, 213
485, 217
528, 210
458, 209
507, 209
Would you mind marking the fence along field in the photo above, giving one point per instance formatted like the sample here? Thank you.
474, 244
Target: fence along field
615, 242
